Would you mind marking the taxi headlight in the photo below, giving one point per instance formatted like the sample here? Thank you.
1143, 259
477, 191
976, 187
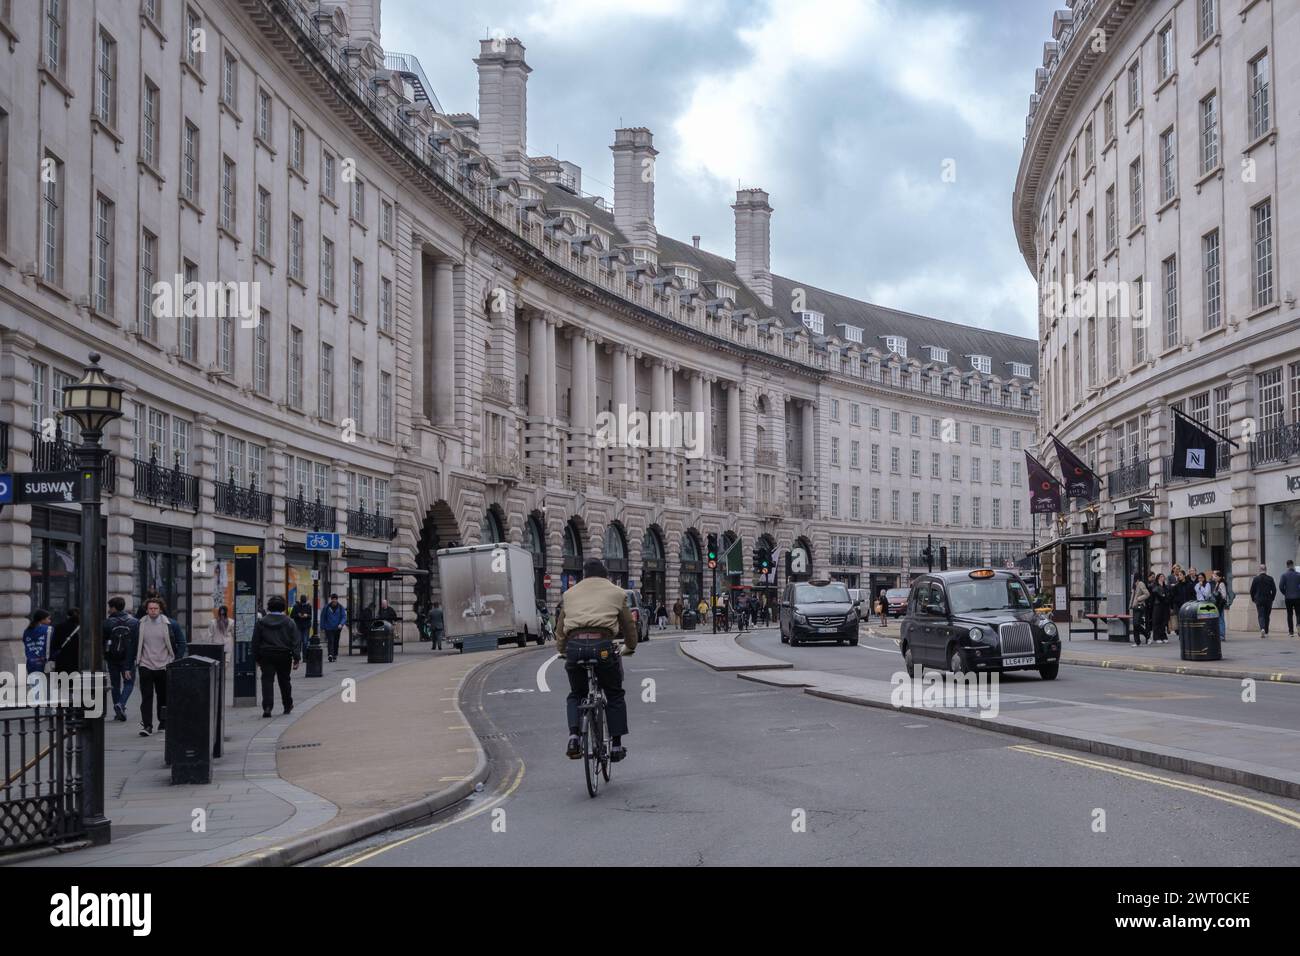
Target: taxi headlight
1049, 629
976, 634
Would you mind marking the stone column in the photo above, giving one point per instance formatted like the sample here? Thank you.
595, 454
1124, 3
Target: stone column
734, 487
658, 473
552, 383
279, 483
809, 467
204, 464
419, 331
699, 411
538, 385
16, 520
580, 404
443, 371
1246, 544
1161, 554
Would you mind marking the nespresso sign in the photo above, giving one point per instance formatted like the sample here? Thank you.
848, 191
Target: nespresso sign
1201, 500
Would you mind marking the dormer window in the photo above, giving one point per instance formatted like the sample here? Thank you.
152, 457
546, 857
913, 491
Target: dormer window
645, 255
815, 321
690, 277
852, 333
723, 291
1020, 370
896, 344
937, 354
981, 363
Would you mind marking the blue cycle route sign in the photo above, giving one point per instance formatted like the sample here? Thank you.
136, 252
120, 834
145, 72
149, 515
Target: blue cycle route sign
323, 541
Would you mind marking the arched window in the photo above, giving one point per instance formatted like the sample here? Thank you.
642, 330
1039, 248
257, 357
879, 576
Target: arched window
651, 549
690, 547
614, 546
572, 543
490, 531
534, 541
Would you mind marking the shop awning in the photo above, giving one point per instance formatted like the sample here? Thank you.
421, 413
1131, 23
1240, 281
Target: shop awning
1072, 541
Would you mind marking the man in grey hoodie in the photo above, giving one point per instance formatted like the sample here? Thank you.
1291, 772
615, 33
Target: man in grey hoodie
275, 644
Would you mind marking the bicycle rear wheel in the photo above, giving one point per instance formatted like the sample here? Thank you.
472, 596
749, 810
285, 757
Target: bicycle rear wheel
590, 755
604, 742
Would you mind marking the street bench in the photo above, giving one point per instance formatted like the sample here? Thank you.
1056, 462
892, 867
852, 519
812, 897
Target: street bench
1098, 619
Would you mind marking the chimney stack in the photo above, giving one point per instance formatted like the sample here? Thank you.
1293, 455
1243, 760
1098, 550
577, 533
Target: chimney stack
634, 186
363, 23
695, 240
503, 105
754, 242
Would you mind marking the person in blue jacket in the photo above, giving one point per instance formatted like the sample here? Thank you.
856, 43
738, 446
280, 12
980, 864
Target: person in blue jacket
332, 618
36, 648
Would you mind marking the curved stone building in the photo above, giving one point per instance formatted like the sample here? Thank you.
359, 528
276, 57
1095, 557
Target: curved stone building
1154, 204
390, 321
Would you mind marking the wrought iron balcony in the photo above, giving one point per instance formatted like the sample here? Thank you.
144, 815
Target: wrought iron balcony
1276, 445
60, 454
1224, 456
166, 488
885, 559
309, 515
846, 559
367, 524
247, 503
1132, 479
503, 467
734, 503
765, 455
697, 499
772, 507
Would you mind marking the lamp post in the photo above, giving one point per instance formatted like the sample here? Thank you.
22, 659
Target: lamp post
93, 403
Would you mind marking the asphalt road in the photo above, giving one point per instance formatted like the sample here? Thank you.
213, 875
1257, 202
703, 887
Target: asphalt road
721, 769
1275, 704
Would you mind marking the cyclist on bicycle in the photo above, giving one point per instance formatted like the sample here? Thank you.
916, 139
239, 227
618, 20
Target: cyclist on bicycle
592, 615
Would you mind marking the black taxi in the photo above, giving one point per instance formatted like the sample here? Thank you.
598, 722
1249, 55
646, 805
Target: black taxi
981, 620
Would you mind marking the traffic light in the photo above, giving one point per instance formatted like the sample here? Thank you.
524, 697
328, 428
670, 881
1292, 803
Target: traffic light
765, 560
928, 554
713, 551
758, 557
943, 557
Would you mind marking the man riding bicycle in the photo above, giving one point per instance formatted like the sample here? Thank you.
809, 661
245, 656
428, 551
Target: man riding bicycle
592, 615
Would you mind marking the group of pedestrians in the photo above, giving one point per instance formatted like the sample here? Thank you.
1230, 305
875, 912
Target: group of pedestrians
1155, 600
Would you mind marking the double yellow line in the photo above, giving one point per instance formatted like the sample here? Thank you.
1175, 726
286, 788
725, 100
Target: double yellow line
1281, 814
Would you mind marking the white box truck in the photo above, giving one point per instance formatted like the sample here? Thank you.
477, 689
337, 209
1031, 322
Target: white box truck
488, 597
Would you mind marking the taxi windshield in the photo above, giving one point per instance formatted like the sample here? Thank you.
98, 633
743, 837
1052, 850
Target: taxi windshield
830, 594
993, 594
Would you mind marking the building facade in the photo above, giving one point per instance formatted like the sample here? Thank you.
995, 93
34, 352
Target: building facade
1153, 204
336, 307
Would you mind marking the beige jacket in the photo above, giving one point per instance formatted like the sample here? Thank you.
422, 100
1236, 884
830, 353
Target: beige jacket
595, 604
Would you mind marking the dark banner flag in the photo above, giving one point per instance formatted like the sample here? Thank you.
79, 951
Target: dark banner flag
1044, 489
1195, 452
1080, 480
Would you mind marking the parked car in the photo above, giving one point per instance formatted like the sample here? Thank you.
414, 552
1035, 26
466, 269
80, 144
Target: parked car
818, 611
980, 620
640, 613
896, 600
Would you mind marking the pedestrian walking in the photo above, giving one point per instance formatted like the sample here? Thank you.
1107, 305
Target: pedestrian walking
661, 616
67, 643
276, 645
332, 618
121, 635
302, 615
1137, 604
439, 623
1263, 589
161, 641
1160, 600
1222, 599
149, 595
221, 631
37, 639
677, 613
1289, 585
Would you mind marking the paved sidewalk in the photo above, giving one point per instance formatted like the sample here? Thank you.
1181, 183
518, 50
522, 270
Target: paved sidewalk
1263, 758
291, 787
1245, 654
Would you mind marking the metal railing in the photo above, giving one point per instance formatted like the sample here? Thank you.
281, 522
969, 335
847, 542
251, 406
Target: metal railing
370, 524
1129, 480
41, 789
309, 515
775, 507
166, 488
847, 559
1276, 445
247, 503
60, 454
1000, 395
1223, 456
503, 466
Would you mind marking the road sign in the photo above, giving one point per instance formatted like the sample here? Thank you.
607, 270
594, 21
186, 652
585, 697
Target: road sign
546, 581
46, 487
6, 489
323, 541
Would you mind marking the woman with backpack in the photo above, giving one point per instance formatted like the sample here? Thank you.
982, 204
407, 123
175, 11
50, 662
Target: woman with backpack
36, 648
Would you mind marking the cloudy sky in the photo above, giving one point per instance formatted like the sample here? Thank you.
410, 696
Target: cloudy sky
845, 111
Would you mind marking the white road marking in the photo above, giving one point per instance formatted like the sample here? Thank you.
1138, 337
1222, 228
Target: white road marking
886, 650
542, 686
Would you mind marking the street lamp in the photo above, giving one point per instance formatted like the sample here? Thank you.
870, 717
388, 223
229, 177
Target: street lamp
93, 403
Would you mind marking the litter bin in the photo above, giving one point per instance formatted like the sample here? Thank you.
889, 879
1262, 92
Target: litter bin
191, 718
688, 620
379, 643
314, 657
1198, 632
216, 652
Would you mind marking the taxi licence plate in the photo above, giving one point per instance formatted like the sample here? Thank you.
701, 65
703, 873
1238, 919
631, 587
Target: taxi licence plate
1018, 662
827, 630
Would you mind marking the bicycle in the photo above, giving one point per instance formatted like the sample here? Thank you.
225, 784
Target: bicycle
594, 731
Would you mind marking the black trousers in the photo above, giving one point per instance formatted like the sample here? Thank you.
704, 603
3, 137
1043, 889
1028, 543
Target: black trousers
1292, 614
1264, 611
609, 674
151, 680
276, 667
332, 639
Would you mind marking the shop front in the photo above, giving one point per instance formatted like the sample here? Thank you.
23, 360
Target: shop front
163, 561
1200, 522
654, 589
227, 548
615, 557
1279, 518
571, 558
690, 576
299, 563
56, 560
